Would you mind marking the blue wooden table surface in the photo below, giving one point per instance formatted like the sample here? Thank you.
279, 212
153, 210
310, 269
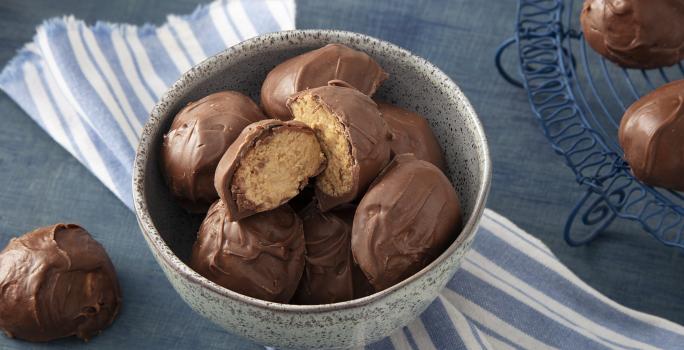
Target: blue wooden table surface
41, 184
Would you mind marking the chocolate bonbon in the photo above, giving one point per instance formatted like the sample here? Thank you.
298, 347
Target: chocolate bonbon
411, 133
652, 137
328, 272
407, 218
635, 33
56, 282
316, 68
267, 165
354, 138
199, 135
261, 256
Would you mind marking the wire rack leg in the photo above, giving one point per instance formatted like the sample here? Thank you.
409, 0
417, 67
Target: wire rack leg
593, 212
497, 61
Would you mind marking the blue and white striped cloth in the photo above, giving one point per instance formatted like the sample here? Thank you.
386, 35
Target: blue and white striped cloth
91, 89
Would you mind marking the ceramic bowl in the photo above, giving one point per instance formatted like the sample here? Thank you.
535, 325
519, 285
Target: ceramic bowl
415, 84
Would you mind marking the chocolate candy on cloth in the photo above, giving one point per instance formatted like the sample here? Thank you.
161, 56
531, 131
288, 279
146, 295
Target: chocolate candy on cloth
328, 272
316, 68
635, 33
411, 133
267, 165
55, 282
354, 138
407, 218
261, 256
199, 135
652, 137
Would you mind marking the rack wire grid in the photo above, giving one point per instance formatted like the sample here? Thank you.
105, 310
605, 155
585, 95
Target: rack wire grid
579, 98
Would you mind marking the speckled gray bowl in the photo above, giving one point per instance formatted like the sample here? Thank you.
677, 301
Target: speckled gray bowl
414, 83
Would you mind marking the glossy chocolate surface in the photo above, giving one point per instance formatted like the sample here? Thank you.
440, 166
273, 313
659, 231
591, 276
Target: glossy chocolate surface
55, 282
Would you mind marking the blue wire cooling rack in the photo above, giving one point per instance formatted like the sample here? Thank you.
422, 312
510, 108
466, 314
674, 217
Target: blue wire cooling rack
579, 98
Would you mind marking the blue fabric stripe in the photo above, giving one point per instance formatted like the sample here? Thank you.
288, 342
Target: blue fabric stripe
560, 289
103, 34
384, 344
206, 33
439, 327
160, 60
261, 17
509, 310
184, 51
108, 83
224, 7
85, 94
12, 82
58, 114
409, 338
489, 332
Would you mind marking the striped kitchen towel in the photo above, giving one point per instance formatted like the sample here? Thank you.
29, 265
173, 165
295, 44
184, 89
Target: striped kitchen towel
92, 88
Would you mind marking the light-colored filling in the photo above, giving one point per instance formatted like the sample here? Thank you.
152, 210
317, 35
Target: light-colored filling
336, 179
277, 167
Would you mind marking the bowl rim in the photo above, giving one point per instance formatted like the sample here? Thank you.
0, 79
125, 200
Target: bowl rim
164, 252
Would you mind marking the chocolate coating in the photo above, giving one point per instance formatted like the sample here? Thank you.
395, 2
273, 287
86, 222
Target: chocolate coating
408, 217
652, 137
238, 206
199, 135
261, 256
367, 133
635, 33
55, 282
316, 68
328, 272
411, 133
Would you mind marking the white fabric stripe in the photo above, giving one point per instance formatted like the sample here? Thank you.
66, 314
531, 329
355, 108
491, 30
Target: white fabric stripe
45, 109
499, 220
218, 16
280, 13
99, 85
485, 270
81, 137
131, 73
494, 323
146, 69
556, 266
172, 49
420, 335
461, 325
52, 66
493, 343
399, 341
240, 19
291, 8
109, 75
187, 39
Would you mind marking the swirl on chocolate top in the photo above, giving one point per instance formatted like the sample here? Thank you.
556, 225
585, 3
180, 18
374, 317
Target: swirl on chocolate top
55, 282
316, 68
199, 135
328, 272
635, 33
354, 138
407, 218
411, 133
261, 256
652, 137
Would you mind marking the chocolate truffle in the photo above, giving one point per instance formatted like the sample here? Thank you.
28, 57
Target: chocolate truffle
362, 288
328, 271
354, 137
55, 282
411, 133
267, 165
261, 256
409, 216
199, 135
635, 33
652, 137
316, 68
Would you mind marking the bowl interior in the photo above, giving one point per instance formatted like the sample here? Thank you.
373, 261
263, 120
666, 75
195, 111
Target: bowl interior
413, 84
